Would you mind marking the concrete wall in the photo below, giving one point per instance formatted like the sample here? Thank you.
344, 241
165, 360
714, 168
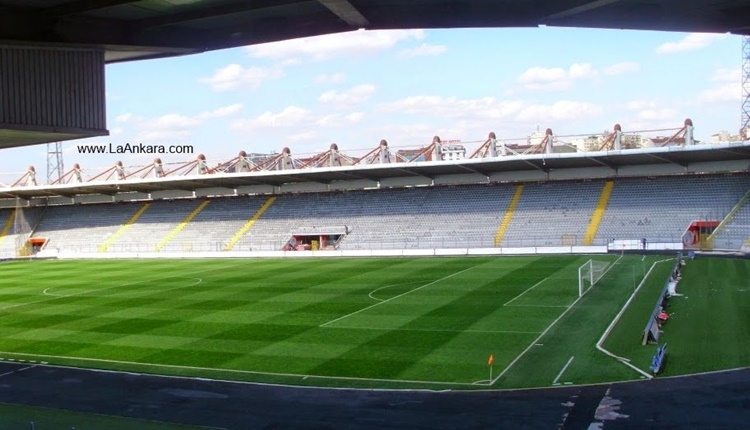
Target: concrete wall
338, 254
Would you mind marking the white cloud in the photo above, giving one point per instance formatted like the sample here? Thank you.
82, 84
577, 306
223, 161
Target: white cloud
307, 136
621, 68
691, 42
657, 114
176, 126
555, 78
327, 120
352, 96
124, 117
423, 50
333, 78
649, 114
728, 87
489, 108
235, 76
563, 110
733, 75
289, 117
721, 94
293, 118
172, 121
166, 127
354, 117
221, 112
640, 105
333, 45
336, 120
116, 131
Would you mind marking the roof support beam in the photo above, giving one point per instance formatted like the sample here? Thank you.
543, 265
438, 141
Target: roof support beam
359, 175
587, 7
347, 12
667, 160
473, 170
413, 173
543, 167
80, 6
603, 163
210, 12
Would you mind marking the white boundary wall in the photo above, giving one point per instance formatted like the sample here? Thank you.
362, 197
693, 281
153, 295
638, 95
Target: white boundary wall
637, 245
317, 254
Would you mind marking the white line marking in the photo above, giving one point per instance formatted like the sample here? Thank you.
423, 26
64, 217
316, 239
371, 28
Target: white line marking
599, 345
47, 293
527, 290
17, 370
515, 360
312, 387
228, 371
438, 330
537, 306
396, 297
389, 286
562, 371
142, 281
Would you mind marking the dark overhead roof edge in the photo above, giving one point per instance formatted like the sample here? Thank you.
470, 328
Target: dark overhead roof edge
140, 52
153, 56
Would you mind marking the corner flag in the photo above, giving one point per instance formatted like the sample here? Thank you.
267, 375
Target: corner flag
491, 360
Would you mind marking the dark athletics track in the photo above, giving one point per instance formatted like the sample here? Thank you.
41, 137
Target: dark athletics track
712, 401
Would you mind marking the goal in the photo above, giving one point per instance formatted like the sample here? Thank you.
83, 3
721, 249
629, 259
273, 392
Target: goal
589, 274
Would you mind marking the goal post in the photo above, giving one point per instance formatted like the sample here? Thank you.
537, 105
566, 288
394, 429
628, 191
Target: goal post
589, 274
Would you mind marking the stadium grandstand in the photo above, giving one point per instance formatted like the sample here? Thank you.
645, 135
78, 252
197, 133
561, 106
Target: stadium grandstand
680, 194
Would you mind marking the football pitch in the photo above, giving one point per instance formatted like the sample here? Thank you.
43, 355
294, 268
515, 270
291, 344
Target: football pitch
360, 322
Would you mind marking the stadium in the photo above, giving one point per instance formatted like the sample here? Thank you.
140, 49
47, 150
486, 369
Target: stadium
488, 272
554, 282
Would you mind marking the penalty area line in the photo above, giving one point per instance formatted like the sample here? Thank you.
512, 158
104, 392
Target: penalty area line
396, 297
534, 342
437, 330
526, 291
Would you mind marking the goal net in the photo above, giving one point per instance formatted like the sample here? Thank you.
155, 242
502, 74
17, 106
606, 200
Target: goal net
589, 274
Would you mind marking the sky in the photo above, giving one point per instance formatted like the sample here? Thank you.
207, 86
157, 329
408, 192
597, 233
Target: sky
406, 86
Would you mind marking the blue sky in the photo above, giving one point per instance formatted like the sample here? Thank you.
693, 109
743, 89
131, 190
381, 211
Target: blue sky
406, 86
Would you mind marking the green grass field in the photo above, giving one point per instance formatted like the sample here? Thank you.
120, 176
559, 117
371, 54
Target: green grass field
709, 326
385, 322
